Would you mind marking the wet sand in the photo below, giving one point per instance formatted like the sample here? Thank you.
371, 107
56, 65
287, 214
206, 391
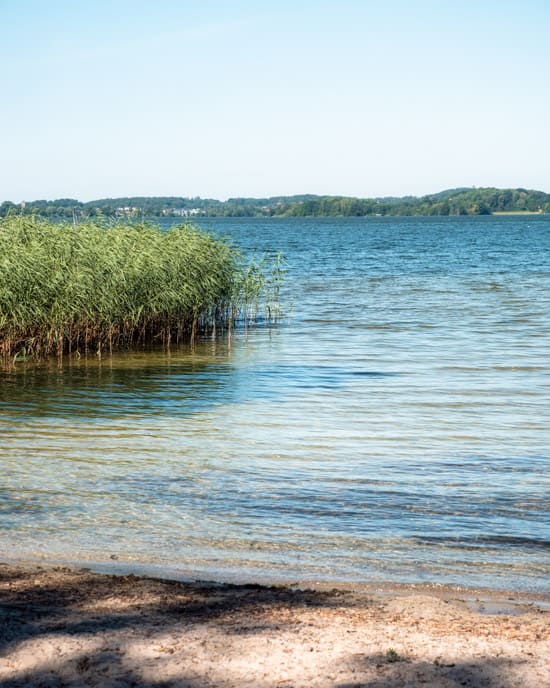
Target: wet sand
72, 627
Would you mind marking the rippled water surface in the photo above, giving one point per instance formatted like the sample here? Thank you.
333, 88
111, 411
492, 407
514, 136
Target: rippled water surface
395, 427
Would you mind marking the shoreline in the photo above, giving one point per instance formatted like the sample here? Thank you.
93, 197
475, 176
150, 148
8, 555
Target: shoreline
158, 571
70, 626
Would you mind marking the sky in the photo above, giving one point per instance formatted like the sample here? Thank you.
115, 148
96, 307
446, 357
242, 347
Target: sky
223, 99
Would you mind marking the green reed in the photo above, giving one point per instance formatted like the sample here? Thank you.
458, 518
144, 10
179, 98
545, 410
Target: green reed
92, 286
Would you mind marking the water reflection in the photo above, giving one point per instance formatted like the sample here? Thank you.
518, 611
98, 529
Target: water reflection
157, 383
144, 384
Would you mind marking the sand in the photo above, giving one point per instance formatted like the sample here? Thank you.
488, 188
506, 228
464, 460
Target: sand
65, 627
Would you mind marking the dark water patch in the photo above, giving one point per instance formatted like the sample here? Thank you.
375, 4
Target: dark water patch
95, 391
167, 388
484, 542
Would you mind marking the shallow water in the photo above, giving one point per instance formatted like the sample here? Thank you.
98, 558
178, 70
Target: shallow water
394, 427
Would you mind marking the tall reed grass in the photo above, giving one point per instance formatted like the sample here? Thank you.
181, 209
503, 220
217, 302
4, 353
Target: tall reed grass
92, 287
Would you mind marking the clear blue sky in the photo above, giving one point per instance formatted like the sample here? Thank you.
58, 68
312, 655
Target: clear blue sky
219, 99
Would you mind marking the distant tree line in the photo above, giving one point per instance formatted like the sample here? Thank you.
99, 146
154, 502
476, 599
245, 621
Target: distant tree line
463, 201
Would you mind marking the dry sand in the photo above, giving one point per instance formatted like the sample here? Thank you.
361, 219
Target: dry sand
63, 627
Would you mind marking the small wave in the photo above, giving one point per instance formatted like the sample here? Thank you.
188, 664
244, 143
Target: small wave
482, 541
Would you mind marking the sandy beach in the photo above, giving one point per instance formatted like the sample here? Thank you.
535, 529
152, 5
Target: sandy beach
72, 627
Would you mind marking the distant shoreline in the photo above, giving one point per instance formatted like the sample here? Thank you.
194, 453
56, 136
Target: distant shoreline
451, 202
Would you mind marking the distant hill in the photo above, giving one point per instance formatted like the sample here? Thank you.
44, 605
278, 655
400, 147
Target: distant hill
461, 201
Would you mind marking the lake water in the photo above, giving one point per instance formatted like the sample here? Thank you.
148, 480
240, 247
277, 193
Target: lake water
395, 427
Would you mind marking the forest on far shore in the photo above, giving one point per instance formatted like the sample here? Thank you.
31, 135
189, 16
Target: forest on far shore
463, 201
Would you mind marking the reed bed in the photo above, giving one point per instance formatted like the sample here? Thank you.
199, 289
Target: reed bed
93, 287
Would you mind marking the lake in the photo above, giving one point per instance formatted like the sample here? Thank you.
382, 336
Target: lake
395, 426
